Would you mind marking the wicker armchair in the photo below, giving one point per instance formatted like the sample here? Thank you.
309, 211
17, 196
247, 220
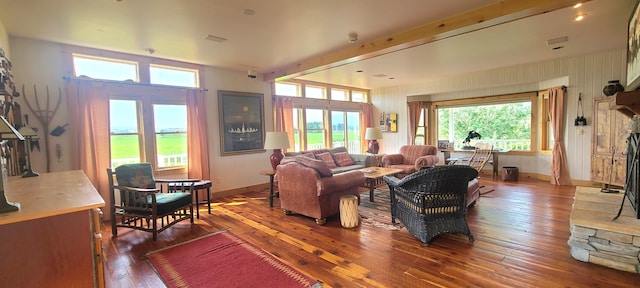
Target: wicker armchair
147, 204
432, 201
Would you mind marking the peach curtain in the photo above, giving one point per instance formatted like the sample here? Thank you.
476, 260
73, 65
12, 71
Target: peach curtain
284, 116
365, 121
559, 167
414, 119
88, 109
197, 135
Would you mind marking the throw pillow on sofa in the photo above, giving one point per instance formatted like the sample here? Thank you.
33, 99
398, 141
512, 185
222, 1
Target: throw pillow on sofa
327, 158
343, 159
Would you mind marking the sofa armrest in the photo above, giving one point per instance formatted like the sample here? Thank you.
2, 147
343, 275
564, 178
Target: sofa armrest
363, 159
340, 182
426, 161
392, 159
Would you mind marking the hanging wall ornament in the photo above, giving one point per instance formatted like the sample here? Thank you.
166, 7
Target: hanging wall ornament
580, 120
612, 88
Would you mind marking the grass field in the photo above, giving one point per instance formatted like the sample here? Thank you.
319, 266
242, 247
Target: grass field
126, 146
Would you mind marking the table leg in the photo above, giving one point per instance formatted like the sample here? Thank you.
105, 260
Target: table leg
372, 186
495, 165
271, 190
197, 204
209, 199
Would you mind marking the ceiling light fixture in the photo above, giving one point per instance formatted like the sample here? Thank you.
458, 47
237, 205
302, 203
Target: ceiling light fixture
580, 17
353, 37
149, 50
578, 5
248, 12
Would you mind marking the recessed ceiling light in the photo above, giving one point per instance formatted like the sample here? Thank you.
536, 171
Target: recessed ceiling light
248, 12
359, 71
215, 38
379, 75
557, 48
578, 5
580, 17
557, 40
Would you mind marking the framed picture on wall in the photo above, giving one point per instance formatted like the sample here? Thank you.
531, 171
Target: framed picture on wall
241, 122
389, 122
633, 49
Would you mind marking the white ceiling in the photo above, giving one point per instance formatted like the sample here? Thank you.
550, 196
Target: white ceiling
284, 32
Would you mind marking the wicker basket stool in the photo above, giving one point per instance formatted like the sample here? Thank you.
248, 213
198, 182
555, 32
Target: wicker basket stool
349, 217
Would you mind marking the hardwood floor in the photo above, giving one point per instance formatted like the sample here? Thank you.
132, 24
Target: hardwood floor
521, 231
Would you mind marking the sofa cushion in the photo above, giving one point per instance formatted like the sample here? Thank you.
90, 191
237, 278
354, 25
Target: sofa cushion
347, 168
316, 164
327, 158
343, 159
309, 154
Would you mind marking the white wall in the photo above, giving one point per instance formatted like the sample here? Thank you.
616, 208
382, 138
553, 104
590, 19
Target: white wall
585, 74
41, 63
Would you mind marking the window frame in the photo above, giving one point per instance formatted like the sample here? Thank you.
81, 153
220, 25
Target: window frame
496, 99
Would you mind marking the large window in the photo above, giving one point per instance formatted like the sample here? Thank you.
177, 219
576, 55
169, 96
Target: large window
504, 121
326, 122
157, 135
148, 123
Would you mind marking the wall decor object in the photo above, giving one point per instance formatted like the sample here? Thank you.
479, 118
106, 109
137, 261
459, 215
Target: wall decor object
389, 122
633, 50
612, 88
241, 122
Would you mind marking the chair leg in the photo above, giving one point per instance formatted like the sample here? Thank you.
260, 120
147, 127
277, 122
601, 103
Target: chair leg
321, 221
114, 229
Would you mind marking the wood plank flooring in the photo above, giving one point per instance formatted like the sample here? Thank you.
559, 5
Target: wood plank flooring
521, 231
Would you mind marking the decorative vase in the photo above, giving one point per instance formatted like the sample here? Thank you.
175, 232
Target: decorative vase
612, 88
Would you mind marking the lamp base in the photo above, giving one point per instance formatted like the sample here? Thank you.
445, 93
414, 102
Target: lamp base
276, 157
5, 206
374, 147
30, 173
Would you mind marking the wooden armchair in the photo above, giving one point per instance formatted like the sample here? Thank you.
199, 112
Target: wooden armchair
145, 203
432, 201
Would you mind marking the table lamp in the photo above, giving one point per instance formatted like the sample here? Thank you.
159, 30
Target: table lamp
7, 131
276, 141
28, 134
373, 134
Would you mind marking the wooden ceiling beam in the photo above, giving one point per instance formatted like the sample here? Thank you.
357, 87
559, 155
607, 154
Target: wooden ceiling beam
495, 14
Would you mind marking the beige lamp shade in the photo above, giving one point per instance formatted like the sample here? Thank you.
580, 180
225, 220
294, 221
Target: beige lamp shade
276, 140
373, 133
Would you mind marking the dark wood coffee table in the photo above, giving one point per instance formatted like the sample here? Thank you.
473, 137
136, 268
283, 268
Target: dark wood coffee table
374, 174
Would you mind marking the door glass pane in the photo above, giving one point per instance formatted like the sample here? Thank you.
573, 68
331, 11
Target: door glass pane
315, 129
170, 125
337, 129
353, 135
123, 125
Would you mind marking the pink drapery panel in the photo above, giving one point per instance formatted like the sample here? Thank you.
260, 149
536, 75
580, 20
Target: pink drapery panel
414, 119
197, 135
88, 110
284, 116
559, 167
365, 121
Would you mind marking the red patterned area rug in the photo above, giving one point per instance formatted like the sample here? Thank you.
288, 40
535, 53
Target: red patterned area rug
223, 260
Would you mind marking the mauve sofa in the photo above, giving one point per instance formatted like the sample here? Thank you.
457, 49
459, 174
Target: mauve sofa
308, 187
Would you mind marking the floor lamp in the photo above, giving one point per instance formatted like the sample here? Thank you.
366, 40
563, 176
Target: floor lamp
28, 134
7, 132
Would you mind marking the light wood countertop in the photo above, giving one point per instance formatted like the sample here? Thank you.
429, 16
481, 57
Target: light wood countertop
50, 194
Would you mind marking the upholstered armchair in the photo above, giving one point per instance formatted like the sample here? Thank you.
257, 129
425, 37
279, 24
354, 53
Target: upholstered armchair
432, 201
308, 187
411, 158
139, 201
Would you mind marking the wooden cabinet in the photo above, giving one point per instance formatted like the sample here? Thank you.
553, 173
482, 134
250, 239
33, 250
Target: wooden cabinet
610, 132
54, 240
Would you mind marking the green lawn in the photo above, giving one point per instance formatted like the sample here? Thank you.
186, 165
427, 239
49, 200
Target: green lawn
126, 146
315, 138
